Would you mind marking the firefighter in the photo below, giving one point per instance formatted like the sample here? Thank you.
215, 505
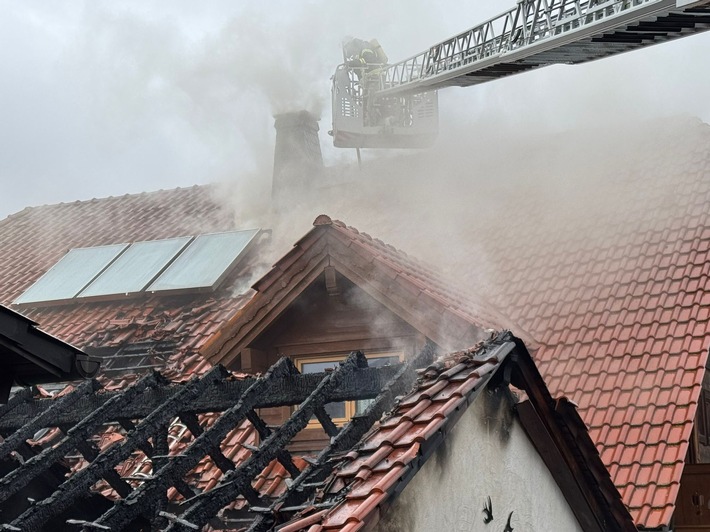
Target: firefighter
363, 54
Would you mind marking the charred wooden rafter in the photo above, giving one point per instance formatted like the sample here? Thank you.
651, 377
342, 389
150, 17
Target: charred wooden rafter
45, 419
233, 484
305, 485
20, 477
125, 511
147, 425
283, 456
292, 390
78, 484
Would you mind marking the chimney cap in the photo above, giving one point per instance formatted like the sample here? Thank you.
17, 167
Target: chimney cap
295, 118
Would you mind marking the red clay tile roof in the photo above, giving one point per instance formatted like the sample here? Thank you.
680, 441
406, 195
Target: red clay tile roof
619, 303
36, 238
368, 478
409, 288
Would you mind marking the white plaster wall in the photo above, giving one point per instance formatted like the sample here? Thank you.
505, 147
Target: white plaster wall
486, 455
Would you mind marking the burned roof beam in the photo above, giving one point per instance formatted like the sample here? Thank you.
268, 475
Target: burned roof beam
20, 477
326, 422
305, 484
46, 418
147, 449
193, 425
78, 485
283, 456
24, 395
123, 512
162, 448
208, 504
89, 451
365, 383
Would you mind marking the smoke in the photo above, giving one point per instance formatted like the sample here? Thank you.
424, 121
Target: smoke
107, 99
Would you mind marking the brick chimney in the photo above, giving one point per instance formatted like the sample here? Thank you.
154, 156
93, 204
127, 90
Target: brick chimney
298, 162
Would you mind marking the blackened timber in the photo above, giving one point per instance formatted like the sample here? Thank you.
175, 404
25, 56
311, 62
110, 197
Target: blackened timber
45, 419
78, 484
89, 451
209, 503
283, 456
20, 477
291, 390
124, 511
193, 425
180, 485
129, 426
298, 492
162, 448
326, 422
16, 400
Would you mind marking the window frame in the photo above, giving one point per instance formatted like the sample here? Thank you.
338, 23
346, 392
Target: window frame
350, 406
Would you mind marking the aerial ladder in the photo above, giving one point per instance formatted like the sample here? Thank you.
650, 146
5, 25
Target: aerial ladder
396, 105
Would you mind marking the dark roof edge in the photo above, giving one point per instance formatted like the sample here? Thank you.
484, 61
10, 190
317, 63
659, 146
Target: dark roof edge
562, 440
55, 360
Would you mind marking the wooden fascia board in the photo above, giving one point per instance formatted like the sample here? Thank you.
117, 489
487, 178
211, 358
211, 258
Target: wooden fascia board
547, 448
265, 307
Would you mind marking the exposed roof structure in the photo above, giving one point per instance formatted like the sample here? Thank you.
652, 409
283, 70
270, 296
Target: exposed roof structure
28, 355
402, 441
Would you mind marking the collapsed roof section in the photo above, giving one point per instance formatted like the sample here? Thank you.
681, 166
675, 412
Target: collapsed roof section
165, 496
28, 355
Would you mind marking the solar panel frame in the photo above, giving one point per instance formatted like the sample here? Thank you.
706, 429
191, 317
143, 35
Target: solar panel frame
136, 268
83, 265
203, 254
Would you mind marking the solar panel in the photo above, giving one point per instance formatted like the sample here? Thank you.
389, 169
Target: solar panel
205, 262
72, 273
136, 267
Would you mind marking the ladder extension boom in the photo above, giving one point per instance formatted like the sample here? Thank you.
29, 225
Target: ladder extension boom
536, 33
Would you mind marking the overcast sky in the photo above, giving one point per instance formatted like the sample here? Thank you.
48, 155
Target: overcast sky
104, 98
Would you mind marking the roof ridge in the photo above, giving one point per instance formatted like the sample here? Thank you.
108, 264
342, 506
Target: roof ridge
127, 195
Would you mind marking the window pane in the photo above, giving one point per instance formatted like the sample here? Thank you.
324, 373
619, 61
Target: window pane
71, 274
317, 367
205, 261
335, 410
378, 362
136, 267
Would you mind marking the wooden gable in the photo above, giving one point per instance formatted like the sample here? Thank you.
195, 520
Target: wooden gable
331, 318
340, 285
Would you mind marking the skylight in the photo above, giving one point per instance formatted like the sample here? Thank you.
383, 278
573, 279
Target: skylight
184, 263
